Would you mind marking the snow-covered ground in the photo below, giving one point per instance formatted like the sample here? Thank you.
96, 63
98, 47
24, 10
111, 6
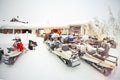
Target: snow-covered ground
40, 64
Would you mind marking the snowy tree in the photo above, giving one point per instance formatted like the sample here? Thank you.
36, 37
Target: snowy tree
119, 16
101, 25
110, 28
113, 25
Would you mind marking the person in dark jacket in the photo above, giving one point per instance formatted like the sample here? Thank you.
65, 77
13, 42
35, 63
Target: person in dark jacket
32, 44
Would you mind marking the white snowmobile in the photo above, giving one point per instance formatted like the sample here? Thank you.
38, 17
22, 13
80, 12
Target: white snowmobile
103, 64
64, 52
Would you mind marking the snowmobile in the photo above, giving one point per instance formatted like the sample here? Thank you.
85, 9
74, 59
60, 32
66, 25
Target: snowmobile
11, 56
105, 64
64, 52
1, 54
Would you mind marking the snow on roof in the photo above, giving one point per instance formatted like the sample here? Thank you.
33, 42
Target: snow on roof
15, 25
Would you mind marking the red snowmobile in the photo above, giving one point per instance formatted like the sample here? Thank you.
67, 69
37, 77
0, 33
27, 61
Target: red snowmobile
14, 53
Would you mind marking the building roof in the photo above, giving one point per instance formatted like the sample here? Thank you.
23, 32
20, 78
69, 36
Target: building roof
15, 25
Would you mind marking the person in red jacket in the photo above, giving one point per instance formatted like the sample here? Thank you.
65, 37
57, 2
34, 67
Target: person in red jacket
20, 45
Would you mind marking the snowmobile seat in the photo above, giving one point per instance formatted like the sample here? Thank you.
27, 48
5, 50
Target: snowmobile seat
90, 49
14, 53
57, 44
72, 46
65, 48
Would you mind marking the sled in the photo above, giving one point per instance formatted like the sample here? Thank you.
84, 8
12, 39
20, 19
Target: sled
105, 65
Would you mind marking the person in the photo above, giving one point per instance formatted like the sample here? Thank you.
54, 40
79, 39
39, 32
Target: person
17, 46
70, 38
46, 37
20, 45
32, 44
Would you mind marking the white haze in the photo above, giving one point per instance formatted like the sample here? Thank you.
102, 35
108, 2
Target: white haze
57, 12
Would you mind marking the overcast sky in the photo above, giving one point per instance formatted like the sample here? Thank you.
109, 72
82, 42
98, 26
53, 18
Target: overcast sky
57, 12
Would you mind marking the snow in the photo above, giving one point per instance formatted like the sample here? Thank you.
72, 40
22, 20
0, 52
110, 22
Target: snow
40, 64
